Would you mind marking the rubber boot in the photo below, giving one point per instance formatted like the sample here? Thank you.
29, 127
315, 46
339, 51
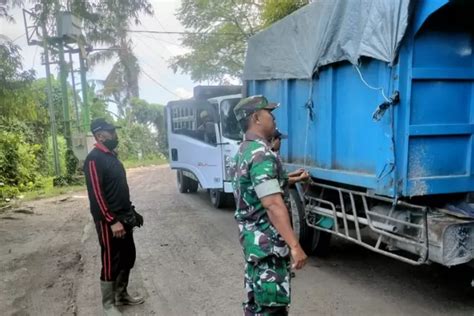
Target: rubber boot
108, 298
121, 295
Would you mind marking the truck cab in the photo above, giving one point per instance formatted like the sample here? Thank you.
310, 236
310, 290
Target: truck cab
203, 136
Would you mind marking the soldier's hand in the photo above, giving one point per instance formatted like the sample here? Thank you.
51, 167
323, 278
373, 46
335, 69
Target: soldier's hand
304, 176
299, 171
296, 173
118, 231
299, 257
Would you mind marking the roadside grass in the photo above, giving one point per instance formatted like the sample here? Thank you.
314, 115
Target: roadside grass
156, 161
46, 189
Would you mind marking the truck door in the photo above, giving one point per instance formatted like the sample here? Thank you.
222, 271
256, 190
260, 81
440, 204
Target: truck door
230, 138
194, 141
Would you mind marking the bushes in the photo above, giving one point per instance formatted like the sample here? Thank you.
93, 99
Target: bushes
19, 167
137, 142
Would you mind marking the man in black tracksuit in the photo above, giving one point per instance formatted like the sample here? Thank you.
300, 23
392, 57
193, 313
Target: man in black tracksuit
114, 217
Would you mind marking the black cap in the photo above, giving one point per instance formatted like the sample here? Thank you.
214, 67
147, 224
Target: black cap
279, 135
101, 124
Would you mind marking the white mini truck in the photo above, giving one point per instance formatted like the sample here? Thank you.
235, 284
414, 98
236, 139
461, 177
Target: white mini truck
203, 137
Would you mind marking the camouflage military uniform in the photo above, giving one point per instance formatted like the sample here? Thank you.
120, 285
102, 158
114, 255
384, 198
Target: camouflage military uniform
258, 172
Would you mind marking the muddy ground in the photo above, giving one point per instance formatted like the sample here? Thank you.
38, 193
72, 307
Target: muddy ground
189, 262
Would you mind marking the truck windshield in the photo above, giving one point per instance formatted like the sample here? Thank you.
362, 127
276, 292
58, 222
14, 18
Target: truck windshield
230, 126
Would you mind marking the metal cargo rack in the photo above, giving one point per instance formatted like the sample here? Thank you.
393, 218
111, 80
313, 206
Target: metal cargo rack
387, 227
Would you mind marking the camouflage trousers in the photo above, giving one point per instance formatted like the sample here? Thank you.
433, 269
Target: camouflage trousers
267, 283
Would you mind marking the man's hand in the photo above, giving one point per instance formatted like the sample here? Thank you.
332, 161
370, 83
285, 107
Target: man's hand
118, 231
303, 176
298, 257
296, 173
278, 215
298, 176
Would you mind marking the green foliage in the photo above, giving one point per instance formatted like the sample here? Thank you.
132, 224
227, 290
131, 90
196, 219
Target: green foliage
122, 81
47, 188
219, 49
14, 82
68, 180
23, 126
19, 167
224, 26
159, 159
151, 115
274, 10
6, 6
7, 192
71, 163
106, 23
39, 90
62, 154
136, 142
12, 75
26, 157
98, 105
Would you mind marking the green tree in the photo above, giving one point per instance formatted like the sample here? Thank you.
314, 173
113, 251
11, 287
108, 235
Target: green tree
98, 106
23, 125
219, 30
136, 141
153, 116
20, 110
217, 47
39, 89
106, 23
6, 6
274, 10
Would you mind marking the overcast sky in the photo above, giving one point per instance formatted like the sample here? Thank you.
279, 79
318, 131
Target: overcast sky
153, 52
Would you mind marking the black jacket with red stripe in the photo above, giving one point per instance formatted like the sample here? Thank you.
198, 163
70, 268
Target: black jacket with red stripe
106, 181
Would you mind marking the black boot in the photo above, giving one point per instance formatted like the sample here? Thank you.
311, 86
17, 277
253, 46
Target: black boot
108, 299
121, 295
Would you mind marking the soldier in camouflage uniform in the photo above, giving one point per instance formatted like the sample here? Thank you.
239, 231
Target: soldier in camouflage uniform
265, 230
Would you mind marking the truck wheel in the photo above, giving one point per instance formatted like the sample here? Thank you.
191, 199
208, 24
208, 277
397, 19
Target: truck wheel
186, 184
219, 198
193, 185
312, 241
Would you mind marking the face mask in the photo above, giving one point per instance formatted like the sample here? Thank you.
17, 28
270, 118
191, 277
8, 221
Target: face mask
111, 144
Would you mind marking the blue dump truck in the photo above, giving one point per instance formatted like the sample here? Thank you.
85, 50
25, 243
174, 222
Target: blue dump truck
377, 97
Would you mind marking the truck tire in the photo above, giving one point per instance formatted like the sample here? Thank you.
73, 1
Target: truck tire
313, 241
219, 198
193, 185
186, 184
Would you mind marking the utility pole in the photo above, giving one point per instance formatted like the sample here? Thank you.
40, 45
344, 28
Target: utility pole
63, 78
73, 81
68, 40
63, 74
85, 102
57, 168
68, 31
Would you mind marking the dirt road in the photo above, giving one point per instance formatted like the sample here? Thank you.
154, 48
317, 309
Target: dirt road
189, 262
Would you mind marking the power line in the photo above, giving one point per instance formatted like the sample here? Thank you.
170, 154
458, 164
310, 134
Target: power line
153, 35
161, 40
161, 25
142, 61
159, 84
17, 38
182, 33
164, 59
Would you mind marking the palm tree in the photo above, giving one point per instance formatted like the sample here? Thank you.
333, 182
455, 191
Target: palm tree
106, 24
